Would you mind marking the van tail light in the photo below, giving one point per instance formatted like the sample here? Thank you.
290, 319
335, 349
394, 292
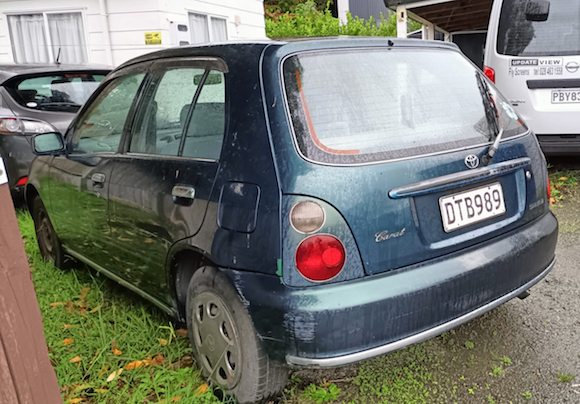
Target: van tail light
307, 217
22, 181
549, 189
320, 257
490, 73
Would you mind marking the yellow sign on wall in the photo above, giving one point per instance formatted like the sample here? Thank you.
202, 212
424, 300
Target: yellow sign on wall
153, 38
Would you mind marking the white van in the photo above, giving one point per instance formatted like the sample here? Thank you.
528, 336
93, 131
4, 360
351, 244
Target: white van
533, 56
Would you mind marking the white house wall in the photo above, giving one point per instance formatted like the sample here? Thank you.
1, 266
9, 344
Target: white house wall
129, 20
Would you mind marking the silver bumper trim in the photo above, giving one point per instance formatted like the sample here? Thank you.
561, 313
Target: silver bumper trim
413, 339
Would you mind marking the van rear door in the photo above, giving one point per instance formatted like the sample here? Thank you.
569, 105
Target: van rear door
537, 63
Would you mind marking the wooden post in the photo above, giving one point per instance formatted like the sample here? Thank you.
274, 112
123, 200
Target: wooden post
26, 375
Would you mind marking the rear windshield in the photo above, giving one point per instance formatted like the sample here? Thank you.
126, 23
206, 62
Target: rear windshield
55, 92
358, 106
558, 36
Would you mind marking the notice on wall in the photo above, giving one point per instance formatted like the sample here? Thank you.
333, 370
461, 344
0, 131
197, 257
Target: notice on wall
152, 38
3, 175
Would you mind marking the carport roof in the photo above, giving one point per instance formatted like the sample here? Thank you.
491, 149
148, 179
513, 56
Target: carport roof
450, 15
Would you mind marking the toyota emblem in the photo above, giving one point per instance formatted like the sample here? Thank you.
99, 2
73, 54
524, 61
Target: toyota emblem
472, 161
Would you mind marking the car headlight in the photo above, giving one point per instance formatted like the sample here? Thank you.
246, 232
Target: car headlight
18, 126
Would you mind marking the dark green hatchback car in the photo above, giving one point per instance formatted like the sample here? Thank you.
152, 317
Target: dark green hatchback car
300, 204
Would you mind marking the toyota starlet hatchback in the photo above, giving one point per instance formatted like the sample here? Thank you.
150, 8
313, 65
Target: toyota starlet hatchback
300, 204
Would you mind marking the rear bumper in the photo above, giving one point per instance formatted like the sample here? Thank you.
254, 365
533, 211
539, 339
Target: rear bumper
339, 324
18, 156
560, 145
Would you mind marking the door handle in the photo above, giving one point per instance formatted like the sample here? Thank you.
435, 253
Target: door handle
98, 178
183, 191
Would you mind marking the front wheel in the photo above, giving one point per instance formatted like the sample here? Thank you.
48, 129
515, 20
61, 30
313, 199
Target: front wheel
48, 242
225, 343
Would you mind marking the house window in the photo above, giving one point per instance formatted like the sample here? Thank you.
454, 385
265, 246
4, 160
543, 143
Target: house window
207, 28
47, 37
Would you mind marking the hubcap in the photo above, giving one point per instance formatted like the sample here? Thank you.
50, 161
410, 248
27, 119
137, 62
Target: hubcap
216, 339
45, 237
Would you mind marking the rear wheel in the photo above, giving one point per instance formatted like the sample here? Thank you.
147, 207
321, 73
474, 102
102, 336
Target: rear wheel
225, 343
48, 242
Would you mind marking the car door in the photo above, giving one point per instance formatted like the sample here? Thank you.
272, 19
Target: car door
160, 187
80, 180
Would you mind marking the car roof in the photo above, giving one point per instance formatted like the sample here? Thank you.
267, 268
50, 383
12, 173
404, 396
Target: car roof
293, 44
8, 71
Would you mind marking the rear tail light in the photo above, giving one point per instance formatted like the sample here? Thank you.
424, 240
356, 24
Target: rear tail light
320, 257
16, 126
22, 181
490, 73
307, 217
549, 189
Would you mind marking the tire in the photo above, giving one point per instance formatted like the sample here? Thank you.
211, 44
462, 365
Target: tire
48, 242
221, 331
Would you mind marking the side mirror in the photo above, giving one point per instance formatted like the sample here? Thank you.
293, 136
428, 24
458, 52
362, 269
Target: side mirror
537, 10
48, 144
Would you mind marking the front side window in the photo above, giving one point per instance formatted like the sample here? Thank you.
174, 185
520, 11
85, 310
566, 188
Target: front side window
101, 126
559, 35
48, 37
169, 113
357, 106
55, 92
205, 28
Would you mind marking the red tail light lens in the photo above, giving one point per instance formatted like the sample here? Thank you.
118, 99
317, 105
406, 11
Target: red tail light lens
320, 258
549, 189
490, 73
22, 181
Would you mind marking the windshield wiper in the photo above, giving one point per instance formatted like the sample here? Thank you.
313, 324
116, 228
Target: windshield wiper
492, 116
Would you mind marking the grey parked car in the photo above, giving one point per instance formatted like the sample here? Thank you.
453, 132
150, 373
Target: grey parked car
37, 99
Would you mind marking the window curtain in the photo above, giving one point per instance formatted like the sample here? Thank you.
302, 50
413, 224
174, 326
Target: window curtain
219, 29
67, 35
198, 24
28, 38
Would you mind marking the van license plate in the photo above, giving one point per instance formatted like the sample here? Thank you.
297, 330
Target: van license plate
465, 208
565, 96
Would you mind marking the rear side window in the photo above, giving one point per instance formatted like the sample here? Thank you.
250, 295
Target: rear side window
56, 92
558, 36
358, 106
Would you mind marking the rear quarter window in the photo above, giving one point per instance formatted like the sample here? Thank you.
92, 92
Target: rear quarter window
368, 105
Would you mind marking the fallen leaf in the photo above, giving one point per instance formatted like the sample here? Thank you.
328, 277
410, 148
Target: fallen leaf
64, 327
181, 333
101, 390
68, 341
76, 359
114, 375
148, 240
83, 311
57, 304
158, 360
70, 306
176, 399
95, 309
82, 305
557, 186
134, 365
162, 341
103, 370
147, 361
552, 201
74, 400
117, 352
563, 178
83, 295
201, 389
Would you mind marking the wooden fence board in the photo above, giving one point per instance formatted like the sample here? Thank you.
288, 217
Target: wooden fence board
26, 374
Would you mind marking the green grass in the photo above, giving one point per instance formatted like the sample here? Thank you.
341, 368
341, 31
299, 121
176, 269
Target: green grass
565, 377
109, 316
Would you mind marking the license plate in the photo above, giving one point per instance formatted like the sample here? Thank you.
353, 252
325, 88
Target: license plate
465, 208
565, 96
